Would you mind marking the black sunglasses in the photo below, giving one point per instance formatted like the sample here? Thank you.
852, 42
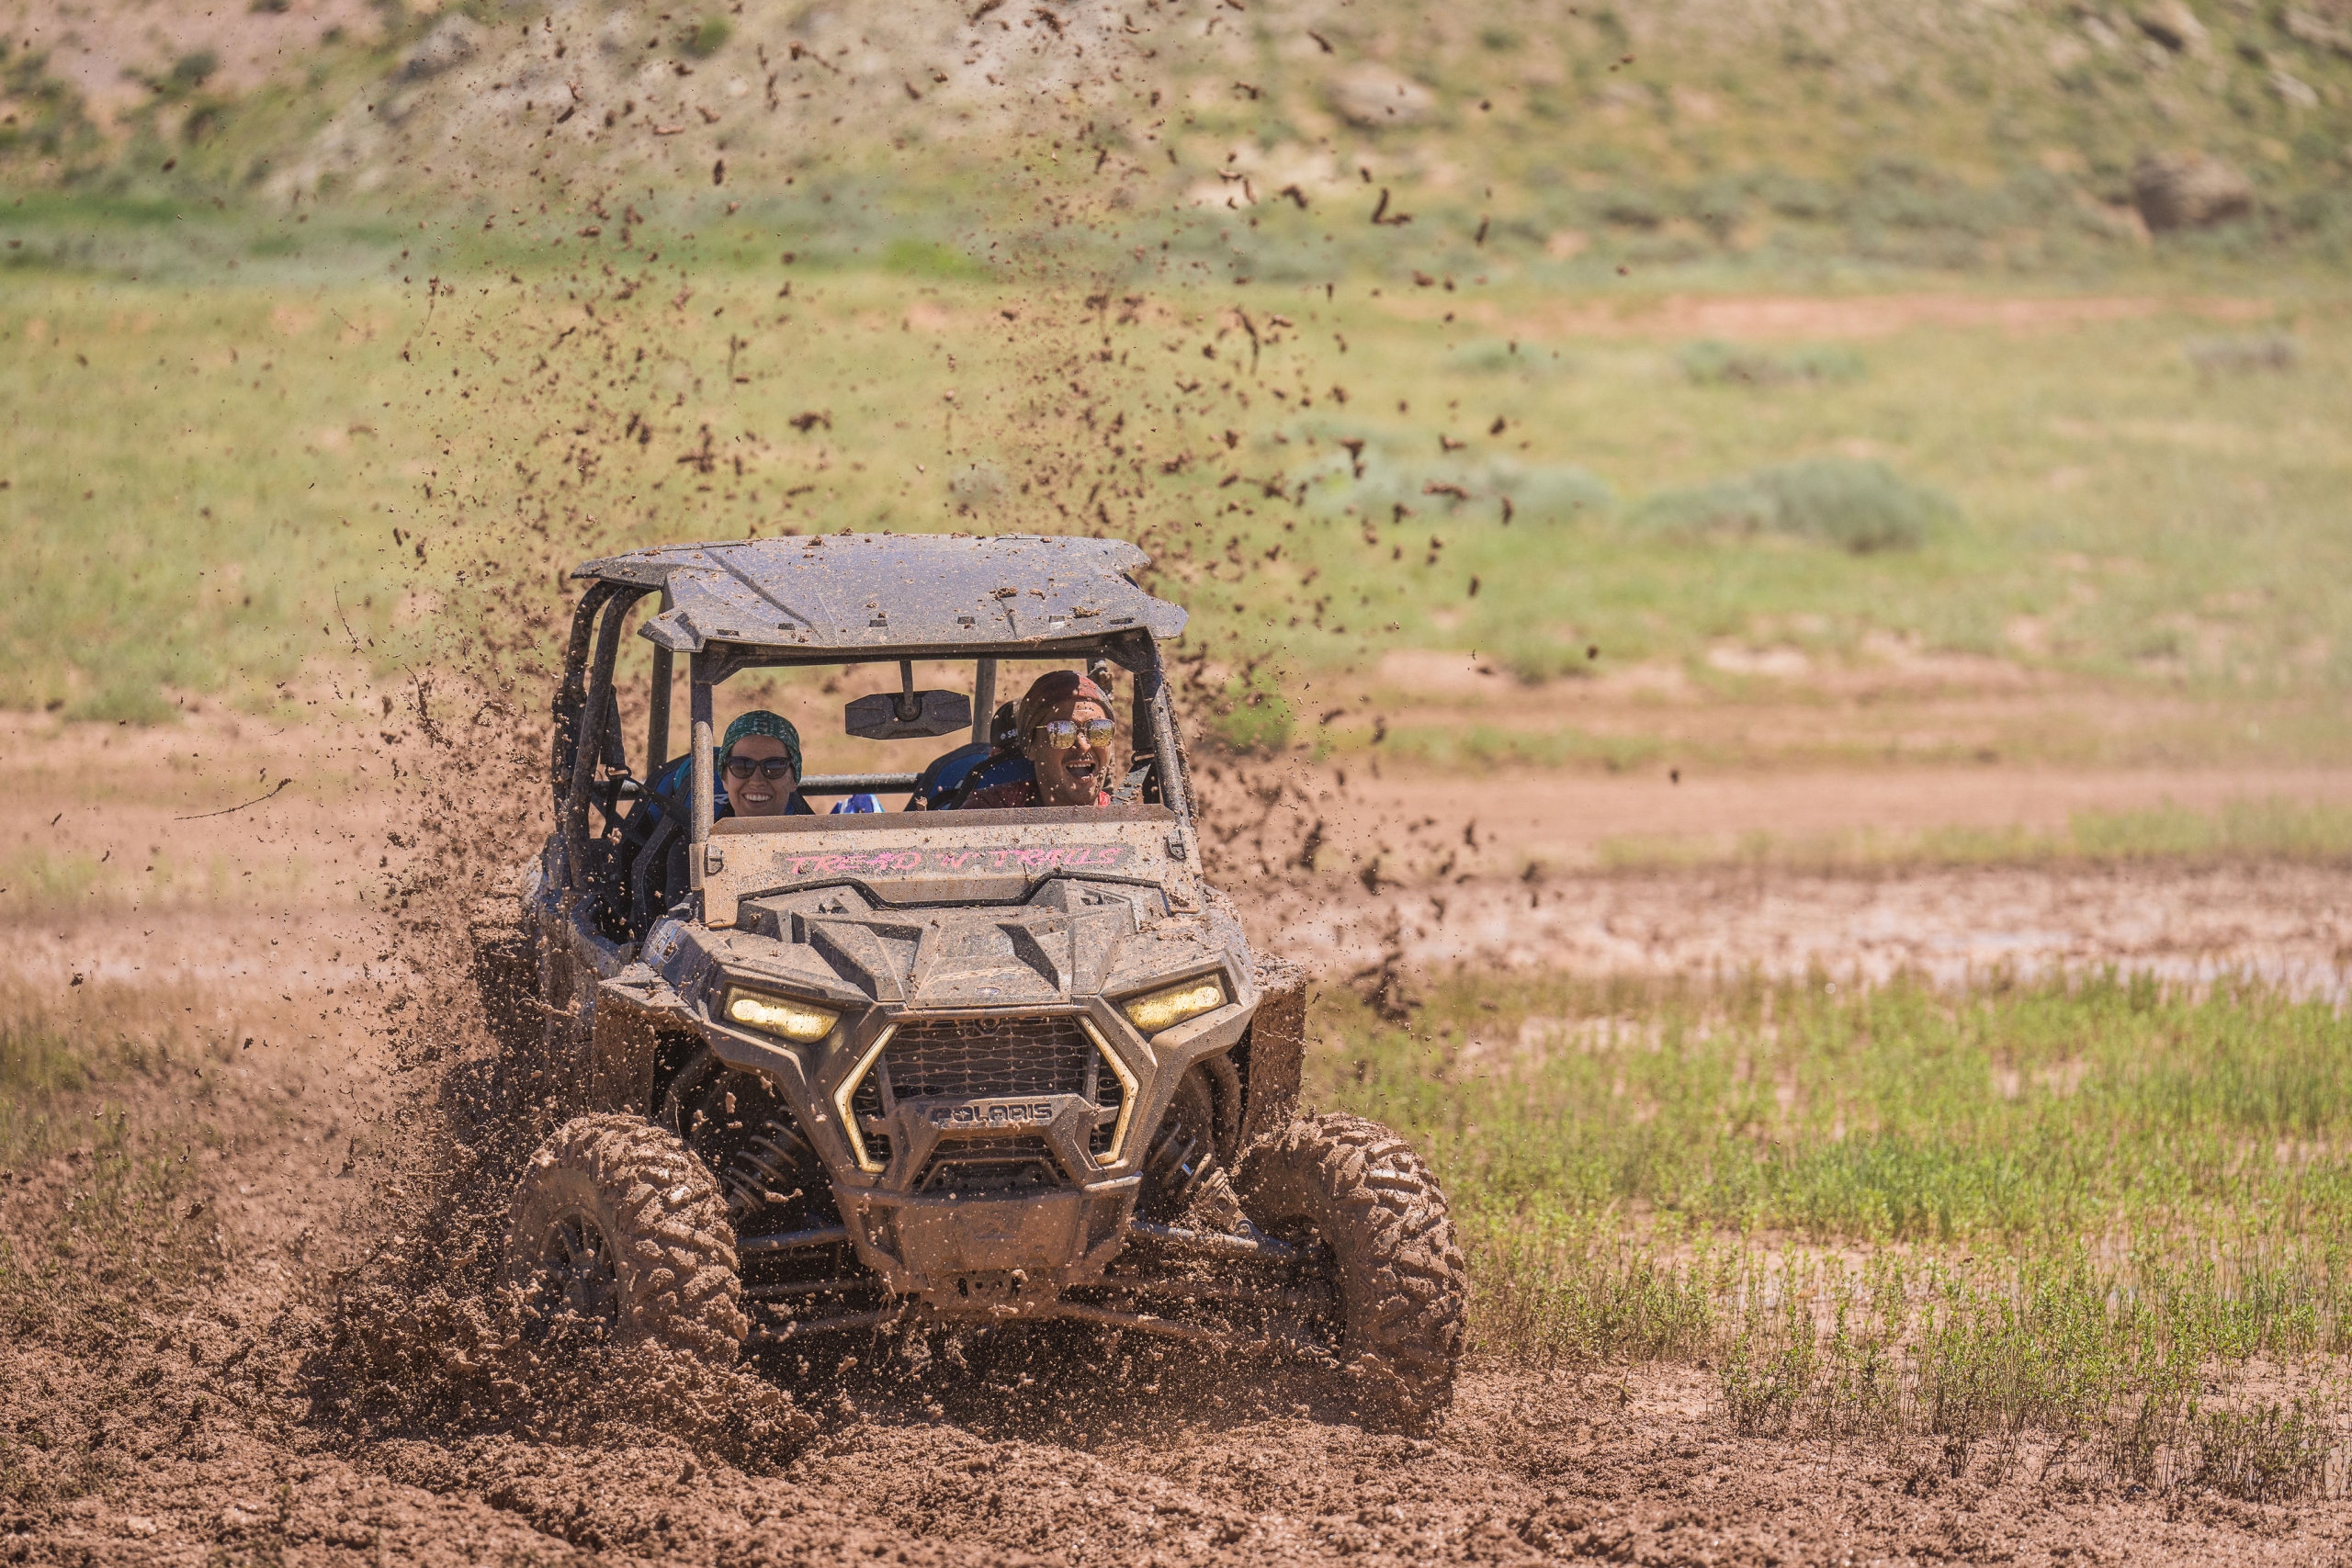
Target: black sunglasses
767, 767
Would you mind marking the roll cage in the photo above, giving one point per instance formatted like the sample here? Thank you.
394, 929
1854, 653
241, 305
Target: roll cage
590, 771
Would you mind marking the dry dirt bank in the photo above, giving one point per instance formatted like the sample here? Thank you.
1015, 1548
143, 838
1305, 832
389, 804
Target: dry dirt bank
1563, 821
2291, 924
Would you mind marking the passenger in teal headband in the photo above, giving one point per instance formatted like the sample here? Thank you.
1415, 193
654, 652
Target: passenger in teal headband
759, 721
760, 764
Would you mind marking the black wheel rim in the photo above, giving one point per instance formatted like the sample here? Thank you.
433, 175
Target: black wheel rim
578, 1275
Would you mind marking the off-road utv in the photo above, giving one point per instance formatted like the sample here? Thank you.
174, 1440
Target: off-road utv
967, 1068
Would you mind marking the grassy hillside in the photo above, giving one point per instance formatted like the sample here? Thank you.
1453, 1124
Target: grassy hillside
1252, 142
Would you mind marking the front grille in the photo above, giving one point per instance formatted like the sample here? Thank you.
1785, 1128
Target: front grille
998, 1168
985, 1058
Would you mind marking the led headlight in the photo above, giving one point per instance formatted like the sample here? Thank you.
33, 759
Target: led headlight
1172, 1005
780, 1016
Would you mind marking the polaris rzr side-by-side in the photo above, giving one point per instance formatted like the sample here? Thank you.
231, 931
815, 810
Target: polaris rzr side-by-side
965, 1068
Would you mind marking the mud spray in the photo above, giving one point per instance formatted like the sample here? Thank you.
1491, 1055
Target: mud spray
1057, 412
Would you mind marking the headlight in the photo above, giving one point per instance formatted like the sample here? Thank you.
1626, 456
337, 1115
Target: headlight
780, 1016
1165, 1008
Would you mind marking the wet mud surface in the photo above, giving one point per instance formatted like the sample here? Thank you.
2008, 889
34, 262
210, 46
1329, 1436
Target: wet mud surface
1532, 1467
308, 1392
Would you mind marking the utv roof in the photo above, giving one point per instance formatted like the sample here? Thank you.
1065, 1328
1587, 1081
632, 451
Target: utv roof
836, 592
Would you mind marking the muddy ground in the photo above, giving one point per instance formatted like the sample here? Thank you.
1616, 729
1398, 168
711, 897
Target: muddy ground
203, 1419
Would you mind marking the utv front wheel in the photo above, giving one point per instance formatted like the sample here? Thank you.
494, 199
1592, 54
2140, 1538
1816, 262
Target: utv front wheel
1358, 1194
615, 1222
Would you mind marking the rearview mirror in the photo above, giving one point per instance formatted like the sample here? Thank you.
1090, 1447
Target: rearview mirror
908, 716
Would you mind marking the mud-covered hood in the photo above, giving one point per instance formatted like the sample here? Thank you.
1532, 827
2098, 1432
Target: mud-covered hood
1072, 940
907, 860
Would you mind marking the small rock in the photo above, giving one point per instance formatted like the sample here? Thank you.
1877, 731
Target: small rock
454, 41
2319, 33
2294, 90
1374, 96
140, 1525
2172, 24
2188, 190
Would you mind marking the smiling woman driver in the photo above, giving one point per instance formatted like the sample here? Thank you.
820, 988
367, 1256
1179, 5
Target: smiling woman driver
1065, 732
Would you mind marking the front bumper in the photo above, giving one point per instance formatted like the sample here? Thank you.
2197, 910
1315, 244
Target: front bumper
985, 1206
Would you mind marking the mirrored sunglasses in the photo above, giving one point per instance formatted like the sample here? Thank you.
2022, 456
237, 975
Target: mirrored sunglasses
767, 767
1061, 734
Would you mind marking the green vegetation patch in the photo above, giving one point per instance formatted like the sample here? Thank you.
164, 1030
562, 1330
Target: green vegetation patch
1250, 714
1859, 507
928, 258
2066, 1207
92, 1255
1710, 363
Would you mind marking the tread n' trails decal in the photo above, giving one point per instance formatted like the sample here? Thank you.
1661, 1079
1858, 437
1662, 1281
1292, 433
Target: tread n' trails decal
958, 862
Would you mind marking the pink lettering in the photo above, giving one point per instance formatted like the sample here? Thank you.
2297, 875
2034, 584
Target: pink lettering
1033, 859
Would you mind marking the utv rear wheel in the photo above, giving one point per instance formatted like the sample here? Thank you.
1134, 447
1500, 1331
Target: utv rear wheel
1358, 1193
615, 1222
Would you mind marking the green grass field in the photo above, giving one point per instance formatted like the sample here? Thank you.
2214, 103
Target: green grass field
251, 490
2101, 1213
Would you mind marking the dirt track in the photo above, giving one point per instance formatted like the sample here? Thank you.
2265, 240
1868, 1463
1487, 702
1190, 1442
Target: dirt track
1532, 1469
2289, 924
200, 1438
202, 1428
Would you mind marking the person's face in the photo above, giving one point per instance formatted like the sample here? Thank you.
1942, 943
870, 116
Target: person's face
760, 796
1071, 776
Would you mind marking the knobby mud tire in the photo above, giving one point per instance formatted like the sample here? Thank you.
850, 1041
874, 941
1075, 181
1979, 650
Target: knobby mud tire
672, 1247
1404, 1291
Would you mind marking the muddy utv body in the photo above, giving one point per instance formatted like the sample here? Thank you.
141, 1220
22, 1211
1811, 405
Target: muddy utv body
917, 1066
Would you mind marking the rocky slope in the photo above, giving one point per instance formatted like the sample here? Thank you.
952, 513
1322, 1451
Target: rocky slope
1665, 130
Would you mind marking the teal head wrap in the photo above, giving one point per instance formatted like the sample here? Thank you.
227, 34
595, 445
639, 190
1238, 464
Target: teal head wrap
759, 721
